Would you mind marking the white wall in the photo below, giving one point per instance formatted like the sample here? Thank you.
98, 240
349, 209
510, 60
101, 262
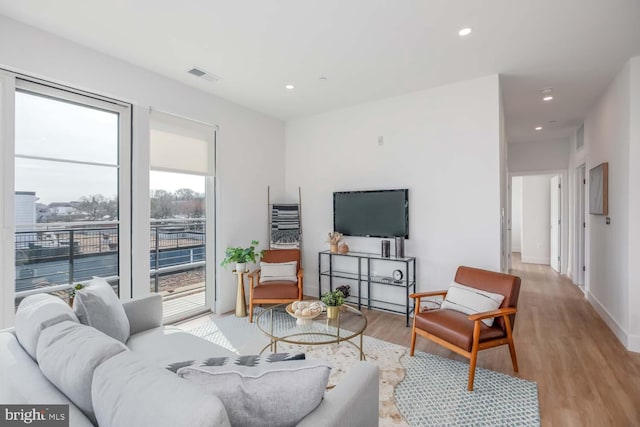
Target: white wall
442, 144
633, 274
250, 145
536, 197
539, 156
516, 214
612, 134
607, 138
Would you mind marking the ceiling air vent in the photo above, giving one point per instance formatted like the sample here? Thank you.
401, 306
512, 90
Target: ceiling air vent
199, 72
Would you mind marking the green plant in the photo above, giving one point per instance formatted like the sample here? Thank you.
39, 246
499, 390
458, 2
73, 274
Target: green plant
333, 298
241, 255
77, 287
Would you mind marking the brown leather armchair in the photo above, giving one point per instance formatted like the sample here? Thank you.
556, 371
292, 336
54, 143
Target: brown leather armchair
467, 334
275, 292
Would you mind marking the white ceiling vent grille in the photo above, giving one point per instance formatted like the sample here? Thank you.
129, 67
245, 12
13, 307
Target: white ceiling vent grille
199, 72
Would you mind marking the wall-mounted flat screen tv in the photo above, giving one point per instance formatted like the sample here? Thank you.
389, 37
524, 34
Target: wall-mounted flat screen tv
378, 213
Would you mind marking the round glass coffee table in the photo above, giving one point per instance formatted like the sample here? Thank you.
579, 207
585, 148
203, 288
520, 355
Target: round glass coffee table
280, 326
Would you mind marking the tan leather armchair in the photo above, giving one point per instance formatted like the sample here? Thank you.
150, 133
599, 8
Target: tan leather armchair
467, 334
275, 292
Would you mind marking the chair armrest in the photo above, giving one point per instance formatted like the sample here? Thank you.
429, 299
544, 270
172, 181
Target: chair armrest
428, 294
494, 313
300, 273
144, 313
255, 274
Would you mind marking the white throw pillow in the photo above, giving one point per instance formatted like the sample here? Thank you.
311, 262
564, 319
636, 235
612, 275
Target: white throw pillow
36, 313
69, 353
471, 301
278, 271
98, 305
265, 390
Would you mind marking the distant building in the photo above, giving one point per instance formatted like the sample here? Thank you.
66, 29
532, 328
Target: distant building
62, 208
25, 210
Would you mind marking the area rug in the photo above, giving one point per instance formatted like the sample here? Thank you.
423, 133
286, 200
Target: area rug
424, 390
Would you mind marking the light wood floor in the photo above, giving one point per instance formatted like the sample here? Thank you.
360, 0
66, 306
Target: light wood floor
585, 376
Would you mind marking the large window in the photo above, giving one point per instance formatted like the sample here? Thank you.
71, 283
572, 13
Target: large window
70, 175
181, 207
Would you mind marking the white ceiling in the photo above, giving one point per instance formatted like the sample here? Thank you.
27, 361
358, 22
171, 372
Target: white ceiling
368, 49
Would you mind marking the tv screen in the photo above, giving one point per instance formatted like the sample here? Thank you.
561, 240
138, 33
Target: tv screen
380, 213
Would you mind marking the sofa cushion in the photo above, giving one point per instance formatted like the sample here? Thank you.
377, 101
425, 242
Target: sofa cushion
22, 382
164, 345
278, 271
262, 390
471, 301
127, 391
37, 312
68, 354
97, 305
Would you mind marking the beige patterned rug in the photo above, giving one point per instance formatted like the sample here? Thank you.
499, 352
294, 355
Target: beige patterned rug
240, 336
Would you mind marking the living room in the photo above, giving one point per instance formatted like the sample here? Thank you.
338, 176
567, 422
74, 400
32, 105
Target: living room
383, 97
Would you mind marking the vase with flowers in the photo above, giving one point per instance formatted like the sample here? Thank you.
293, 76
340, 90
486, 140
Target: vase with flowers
333, 240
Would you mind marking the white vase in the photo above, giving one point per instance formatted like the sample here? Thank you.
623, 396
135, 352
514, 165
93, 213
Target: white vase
241, 267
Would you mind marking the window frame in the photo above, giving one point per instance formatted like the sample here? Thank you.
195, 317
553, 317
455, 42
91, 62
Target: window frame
123, 167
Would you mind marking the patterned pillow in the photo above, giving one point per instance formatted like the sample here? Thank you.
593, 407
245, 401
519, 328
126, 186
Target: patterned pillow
471, 300
273, 389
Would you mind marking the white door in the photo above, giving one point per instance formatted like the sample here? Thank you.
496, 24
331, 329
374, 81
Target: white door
555, 223
581, 185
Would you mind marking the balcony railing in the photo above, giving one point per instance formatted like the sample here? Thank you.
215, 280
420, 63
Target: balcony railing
52, 257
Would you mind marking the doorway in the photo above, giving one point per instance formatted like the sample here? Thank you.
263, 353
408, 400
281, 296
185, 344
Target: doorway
536, 226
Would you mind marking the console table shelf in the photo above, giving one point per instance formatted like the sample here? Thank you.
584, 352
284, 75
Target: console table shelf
359, 266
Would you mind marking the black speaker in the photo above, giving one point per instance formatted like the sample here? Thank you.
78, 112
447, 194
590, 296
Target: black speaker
386, 249
399, 247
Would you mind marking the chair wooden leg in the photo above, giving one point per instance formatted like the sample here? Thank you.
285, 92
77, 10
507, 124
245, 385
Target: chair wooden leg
472, 368
251, 311
514, 359
512, 347
413, 341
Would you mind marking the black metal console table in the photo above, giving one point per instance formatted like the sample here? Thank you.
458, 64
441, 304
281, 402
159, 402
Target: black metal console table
362, 274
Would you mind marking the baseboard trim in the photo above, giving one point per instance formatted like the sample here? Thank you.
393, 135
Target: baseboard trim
634, 343
611, 322
534, 260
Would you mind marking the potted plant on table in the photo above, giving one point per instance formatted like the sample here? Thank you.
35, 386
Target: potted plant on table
333, 300
241, 256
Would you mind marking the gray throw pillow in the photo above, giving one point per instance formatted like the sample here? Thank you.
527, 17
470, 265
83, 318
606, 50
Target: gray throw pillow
262, 390
127, 391
98, 305
36, 313
68, 354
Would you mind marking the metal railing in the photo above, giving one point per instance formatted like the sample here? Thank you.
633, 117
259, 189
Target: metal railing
54, 256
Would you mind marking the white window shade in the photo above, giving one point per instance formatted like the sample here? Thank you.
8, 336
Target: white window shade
181, 145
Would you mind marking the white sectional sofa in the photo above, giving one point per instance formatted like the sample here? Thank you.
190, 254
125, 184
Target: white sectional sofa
352, 403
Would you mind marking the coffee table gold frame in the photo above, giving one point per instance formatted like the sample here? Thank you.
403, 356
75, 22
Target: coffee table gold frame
336, 338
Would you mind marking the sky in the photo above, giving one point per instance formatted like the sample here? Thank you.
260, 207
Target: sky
65, 131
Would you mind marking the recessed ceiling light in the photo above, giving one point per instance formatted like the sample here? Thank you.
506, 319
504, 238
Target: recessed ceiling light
289, 87
547, 98
539, 128
464, 32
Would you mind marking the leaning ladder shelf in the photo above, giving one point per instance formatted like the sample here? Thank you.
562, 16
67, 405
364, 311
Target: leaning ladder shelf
285, 223
361, 272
